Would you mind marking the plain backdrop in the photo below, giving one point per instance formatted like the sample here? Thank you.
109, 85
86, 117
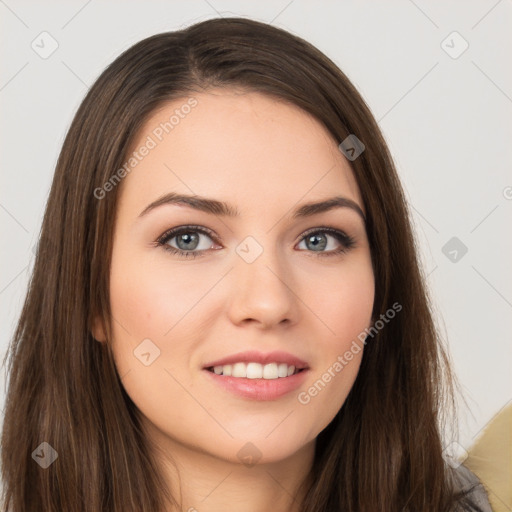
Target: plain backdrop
437, 77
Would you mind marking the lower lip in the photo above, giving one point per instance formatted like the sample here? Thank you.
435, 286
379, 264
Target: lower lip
259, 389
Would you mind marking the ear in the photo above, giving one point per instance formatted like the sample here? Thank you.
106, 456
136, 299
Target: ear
98, 330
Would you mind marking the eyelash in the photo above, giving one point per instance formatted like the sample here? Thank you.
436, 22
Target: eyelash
346, 241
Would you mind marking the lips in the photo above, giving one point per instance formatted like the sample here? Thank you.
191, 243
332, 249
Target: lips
258, 389
254, 356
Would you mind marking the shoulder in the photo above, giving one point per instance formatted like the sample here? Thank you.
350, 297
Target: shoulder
474, 497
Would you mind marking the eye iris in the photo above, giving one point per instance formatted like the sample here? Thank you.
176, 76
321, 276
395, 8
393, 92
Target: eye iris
189, 237
314, 240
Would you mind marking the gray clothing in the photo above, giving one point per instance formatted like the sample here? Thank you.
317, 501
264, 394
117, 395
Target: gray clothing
476, 494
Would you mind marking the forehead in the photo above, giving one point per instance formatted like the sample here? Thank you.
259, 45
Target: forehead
247, 148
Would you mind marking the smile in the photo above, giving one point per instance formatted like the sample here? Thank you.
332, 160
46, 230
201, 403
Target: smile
255, 370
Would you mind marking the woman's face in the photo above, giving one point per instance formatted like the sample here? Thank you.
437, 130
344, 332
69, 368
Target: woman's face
264, 280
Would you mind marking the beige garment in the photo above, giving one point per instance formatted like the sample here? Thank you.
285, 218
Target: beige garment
490, 459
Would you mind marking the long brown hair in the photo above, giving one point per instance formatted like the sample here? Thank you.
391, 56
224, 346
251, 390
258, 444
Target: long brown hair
382, 451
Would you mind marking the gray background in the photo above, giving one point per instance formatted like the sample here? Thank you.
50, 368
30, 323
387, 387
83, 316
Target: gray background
445, 112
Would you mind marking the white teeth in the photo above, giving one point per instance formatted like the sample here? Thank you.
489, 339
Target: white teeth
239, 370
282, 370
270, 371
256, 370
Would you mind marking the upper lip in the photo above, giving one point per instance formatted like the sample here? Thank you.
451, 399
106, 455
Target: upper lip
253, 356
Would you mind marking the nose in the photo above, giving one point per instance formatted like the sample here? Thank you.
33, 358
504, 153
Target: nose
263, 292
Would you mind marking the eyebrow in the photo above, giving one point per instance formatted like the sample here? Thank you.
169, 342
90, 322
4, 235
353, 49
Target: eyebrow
223, 209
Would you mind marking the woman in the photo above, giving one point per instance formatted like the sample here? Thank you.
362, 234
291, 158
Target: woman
182, 347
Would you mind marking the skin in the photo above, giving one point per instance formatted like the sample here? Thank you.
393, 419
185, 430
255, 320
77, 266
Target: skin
265, 158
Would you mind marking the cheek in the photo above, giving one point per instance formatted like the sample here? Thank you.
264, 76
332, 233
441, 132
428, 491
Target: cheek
166, 304
151, 307
344, 307
342, 299
150, 297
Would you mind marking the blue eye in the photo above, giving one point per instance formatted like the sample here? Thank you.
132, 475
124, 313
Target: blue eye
318, 238
188, 240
